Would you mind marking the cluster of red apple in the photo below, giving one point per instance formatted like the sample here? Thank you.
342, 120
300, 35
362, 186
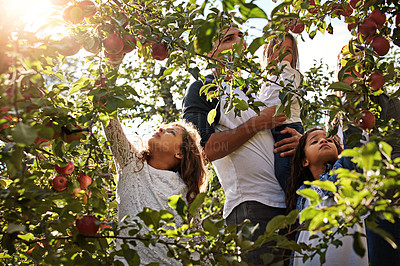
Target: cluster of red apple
116, 46
60, 181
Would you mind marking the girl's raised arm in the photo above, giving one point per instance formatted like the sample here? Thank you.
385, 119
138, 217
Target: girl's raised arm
123, 151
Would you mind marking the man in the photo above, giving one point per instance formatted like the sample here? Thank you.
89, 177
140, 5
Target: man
241, 149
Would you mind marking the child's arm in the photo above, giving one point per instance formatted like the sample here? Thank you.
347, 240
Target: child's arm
123, 151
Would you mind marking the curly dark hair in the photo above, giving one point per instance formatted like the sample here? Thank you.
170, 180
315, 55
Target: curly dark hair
192, 167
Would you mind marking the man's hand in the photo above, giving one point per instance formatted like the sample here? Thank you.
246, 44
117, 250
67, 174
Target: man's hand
289, 144
266, 119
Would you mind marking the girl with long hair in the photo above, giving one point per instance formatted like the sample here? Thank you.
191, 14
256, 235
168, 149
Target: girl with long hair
314, 158
271, 94
172, 164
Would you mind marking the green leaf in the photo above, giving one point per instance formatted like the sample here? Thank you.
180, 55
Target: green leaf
177, 203
24, 134
195, 72
204, 41
327, 185
197, 203
358, 244
341, 86
150, 217
255, 44
167, 72
250, 10
240, 104
278, 222
280, 7
211, 116
310, 194
210, 227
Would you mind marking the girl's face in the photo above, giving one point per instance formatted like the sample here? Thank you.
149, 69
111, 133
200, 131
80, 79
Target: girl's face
285, 46
319, 150
167, 142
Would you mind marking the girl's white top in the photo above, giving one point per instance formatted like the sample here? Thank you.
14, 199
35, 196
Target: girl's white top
269, 93
342, 255
139, 185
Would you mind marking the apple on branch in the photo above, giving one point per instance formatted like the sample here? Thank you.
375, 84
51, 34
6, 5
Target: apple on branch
88, 225
159, 51
65, 170
114, 44
380, 45
59, 183
84, 180
367, 120
378, 17
377, 80
67, 46
73, 14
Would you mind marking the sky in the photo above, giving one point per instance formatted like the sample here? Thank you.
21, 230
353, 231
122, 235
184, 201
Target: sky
323, 46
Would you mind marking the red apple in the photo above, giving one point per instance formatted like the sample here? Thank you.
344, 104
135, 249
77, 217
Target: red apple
59, 2
84, 180
92, 45
351, 26
88, 8
367, 121
397, 20
380, 45
59, 182
113, 44
297, 28
159, 51
367, 27
343, 11
377, 80
353, 3
87, 225
129, 43
68, 46
313, 7
115, 58
73, 14
65, 170
378, 17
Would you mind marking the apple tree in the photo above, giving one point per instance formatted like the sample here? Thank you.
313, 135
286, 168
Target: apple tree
57, 181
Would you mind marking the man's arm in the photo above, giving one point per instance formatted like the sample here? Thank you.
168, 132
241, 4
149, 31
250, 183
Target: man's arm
223, 143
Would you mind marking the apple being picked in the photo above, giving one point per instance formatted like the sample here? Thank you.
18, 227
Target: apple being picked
59, 182
65, 170
367, 121
87, 225
84, 180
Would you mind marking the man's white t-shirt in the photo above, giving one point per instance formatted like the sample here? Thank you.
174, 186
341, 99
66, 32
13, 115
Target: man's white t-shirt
247, 174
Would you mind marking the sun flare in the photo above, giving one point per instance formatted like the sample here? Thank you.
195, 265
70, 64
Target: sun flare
31, 14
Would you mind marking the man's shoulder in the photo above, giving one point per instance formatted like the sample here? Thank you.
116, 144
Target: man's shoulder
196, 86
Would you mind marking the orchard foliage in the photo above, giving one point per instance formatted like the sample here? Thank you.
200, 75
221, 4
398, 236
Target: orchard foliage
52, 106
